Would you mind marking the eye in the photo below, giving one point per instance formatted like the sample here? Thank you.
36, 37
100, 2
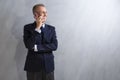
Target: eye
45, 12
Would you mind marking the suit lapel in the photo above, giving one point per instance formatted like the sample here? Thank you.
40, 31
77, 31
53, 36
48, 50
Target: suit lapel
46, 33
45, 30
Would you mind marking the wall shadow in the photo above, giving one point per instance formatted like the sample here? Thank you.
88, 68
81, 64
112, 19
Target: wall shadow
20, 54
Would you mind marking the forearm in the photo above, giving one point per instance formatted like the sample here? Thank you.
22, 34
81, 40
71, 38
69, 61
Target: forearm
29, 38
29, 42
47, 47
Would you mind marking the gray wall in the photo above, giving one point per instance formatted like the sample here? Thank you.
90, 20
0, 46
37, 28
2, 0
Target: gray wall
88, 32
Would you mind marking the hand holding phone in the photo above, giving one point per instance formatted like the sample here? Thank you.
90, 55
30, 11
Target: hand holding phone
39, 20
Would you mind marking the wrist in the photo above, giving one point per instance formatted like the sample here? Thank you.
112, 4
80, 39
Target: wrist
38, 26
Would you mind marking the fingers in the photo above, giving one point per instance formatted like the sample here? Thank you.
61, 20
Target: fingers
40, 17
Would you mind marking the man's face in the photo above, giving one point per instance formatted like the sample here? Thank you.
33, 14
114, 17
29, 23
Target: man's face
41, 12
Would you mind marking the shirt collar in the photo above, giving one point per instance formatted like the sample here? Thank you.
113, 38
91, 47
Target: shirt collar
43, 25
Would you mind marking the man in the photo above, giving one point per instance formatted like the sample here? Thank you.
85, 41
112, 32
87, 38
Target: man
40, 40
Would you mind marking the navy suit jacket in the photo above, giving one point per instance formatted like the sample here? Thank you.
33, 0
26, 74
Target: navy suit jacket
44, 58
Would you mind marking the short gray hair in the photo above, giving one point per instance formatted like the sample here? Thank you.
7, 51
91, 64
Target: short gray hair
35, 6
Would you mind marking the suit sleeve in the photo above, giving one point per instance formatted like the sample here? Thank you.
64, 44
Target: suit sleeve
28, 37
52, 46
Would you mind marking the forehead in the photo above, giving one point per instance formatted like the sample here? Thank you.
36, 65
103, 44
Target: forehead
40, 8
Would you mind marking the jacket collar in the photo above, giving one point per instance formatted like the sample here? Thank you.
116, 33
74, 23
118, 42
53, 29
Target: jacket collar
34, 24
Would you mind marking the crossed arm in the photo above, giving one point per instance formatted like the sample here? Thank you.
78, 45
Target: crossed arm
29, 41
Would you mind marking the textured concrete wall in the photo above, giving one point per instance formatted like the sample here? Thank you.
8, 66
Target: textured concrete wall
88, 32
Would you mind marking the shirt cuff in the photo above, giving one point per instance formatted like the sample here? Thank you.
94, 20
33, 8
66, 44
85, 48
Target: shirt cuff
35, 48
38, 30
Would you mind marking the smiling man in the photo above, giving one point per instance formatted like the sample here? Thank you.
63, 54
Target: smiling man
40, 40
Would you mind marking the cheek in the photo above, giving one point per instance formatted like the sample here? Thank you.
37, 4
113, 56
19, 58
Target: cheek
45, 15
35, 17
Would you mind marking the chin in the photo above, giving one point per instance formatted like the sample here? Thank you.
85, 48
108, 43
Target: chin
44, 20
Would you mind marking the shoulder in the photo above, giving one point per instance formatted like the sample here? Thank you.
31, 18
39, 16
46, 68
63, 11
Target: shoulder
26, 25
30, 25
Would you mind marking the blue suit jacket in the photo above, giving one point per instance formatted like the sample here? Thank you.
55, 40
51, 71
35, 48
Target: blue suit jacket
44, 58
